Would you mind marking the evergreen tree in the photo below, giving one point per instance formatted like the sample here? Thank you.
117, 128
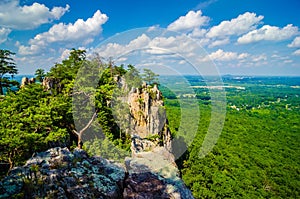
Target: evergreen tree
40, 74
7, 66
149, 76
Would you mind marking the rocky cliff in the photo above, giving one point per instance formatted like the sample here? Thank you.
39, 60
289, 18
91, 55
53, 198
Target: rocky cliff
146, 117
151, 172
59, 173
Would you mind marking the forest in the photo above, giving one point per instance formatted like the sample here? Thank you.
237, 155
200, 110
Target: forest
256, 156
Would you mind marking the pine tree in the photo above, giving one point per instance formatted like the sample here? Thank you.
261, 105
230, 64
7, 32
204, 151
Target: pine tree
7, 66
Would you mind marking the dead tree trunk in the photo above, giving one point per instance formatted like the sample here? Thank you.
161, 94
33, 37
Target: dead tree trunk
80, 133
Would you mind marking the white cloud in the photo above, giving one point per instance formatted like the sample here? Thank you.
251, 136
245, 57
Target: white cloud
81, 32
221, 55
288, 61
275, 56
295, 43
269, 33
157, 45
258, 58
153, 28
219, 42
198, 33
4, 32
297, 52
237, 26
188, 22
65, 54
30, 50
26, 17
205, 4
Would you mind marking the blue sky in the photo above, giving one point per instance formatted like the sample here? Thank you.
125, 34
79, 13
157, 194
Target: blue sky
249, 37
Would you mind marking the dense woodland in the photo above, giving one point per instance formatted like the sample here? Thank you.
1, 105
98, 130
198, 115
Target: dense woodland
256, 156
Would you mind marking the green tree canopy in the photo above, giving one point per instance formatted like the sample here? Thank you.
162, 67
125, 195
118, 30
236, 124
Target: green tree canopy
40, 74
31, 121
7, 66
149, 76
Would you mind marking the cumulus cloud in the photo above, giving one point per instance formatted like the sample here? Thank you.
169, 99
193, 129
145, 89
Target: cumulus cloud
219, 42
237, 26
297, 52
295, 43
27, 17
198, 33
221, 55
288, 61
157, 45
188, 22
204, 4
259, 58
4, 32
81, 32
269, 33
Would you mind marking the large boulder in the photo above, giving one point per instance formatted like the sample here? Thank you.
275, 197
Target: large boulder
157, 165
59, 173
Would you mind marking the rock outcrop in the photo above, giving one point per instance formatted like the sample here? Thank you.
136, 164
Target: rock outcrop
51, 83
158, 166
151, 172
25, 81
59, 173
151, 147
147, 115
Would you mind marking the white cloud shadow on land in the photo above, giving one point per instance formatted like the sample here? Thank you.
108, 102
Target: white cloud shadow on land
81, 32
27, 17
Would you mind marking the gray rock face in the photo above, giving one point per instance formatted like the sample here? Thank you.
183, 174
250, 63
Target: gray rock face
146, 115
151, 141
51, 83
58, 173
159, 165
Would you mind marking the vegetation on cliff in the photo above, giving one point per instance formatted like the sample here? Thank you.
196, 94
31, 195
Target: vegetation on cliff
37, 117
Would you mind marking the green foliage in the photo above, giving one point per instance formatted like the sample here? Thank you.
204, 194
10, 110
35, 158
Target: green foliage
257, 155
34, 119
106, 149
153, 138
149, 76
30, 121
7, 66
40, 74
132, 77
65, 73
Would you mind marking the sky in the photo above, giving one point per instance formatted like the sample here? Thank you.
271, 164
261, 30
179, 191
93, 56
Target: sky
249, 37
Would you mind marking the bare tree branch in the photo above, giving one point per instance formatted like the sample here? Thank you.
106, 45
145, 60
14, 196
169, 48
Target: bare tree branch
88, 124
